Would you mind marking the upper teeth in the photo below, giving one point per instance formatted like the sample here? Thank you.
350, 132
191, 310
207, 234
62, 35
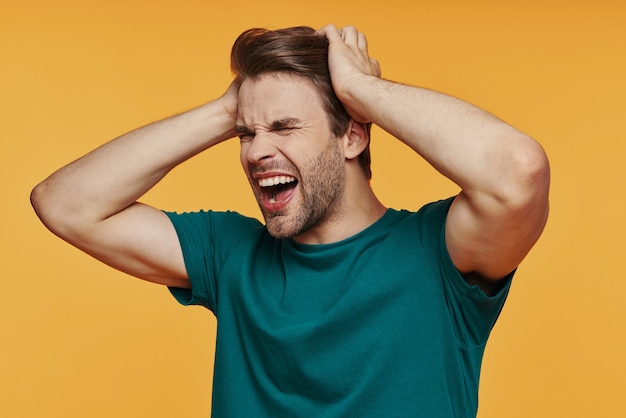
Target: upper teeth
274, 181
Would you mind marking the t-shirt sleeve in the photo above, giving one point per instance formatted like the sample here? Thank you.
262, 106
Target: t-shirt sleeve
472, 311
207, 239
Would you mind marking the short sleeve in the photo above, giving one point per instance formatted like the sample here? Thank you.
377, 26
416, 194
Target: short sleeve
207, 239
472, 311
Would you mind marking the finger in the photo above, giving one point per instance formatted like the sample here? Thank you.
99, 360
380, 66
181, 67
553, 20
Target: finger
330, 32
374, 62
362, 41
350, 35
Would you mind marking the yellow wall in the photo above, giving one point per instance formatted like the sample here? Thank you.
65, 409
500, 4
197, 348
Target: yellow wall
81, 340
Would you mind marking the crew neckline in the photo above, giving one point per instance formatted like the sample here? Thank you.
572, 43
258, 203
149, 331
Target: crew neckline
381, 222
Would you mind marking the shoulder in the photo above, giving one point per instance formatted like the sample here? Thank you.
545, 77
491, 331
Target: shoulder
214, 219
427, 222
213, 227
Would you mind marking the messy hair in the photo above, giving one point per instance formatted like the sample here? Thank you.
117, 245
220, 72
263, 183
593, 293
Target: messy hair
297, 51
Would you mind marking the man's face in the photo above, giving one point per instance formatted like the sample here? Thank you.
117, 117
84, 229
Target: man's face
294, 164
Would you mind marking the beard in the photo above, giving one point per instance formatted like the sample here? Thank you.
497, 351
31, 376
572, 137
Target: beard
320, 187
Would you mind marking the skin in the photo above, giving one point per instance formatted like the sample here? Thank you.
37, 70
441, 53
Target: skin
290, 138
503, 173
495, 220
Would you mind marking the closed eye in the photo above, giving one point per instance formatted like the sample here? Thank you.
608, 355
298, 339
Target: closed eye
281, 127
286, 130
246, 137
245, 134
285, 126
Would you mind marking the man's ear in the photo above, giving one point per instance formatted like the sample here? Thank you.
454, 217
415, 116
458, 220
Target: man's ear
356, 139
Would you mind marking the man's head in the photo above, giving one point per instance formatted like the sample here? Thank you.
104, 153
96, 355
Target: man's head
296, 51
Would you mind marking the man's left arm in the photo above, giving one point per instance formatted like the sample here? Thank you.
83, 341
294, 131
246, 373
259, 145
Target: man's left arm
503, 174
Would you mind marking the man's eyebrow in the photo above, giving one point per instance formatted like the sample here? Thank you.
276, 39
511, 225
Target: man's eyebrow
277, 124
242, 129
285, 122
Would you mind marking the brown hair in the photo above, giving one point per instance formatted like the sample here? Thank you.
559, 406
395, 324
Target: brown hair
299, 51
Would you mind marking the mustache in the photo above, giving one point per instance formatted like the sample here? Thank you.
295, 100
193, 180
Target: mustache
278, 166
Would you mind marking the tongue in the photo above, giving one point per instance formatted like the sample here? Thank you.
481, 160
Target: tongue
280, 193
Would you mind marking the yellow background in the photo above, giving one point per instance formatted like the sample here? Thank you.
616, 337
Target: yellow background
81, 340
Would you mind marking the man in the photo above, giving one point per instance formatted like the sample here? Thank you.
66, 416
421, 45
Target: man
337, 306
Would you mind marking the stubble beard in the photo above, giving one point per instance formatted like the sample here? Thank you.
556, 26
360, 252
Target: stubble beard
321, 188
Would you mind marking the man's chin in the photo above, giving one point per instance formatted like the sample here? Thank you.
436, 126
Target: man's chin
279, 234
279, 228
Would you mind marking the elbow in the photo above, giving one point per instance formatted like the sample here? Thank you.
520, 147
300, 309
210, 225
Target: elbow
47, 208
535, 170
529, 176
39, 200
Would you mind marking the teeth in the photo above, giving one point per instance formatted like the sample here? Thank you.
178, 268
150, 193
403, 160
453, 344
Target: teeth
275, 181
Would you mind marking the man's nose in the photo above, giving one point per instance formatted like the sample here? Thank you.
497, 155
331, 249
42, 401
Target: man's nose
261, 147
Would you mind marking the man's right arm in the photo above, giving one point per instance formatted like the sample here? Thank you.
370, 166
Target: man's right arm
92, 202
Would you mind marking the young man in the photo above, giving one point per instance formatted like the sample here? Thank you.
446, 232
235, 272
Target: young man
337, 306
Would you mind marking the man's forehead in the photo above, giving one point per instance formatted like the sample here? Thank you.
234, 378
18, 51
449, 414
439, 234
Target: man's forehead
278, 97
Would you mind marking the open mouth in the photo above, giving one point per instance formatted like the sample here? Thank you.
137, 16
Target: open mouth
277, 190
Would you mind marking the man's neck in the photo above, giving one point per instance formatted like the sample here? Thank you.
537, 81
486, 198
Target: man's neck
360, 208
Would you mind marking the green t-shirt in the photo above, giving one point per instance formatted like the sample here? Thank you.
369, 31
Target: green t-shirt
378, 325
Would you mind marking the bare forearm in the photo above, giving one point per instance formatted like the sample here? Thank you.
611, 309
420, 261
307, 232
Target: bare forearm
483, 155
504, 174
468, 145
115, 175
